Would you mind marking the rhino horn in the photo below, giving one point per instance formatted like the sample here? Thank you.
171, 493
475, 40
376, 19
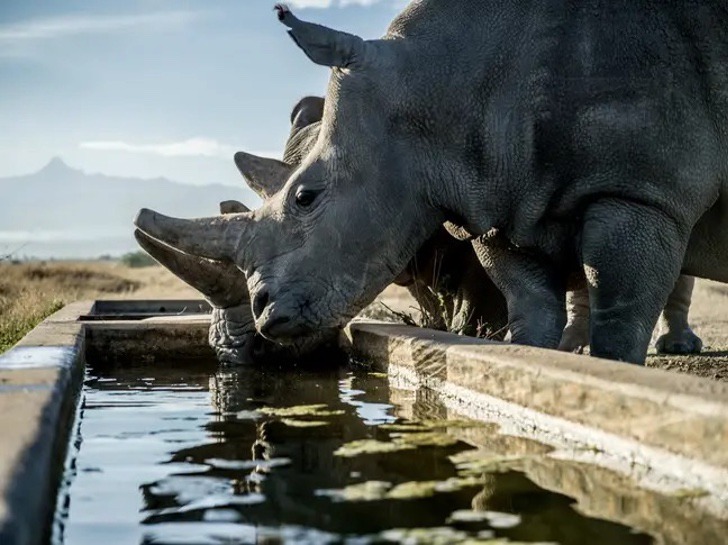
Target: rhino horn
323, 45
214, 238
265, 176
221, 283
233, 207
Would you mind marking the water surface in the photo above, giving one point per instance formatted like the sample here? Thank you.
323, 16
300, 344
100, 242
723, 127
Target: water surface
175, 454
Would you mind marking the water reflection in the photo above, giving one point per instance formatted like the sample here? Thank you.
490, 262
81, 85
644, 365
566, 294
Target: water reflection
205, 466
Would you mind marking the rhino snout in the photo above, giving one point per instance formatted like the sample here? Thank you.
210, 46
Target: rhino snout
277, 320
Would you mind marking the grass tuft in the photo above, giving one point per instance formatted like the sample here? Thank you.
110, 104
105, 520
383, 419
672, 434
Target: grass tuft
30, 292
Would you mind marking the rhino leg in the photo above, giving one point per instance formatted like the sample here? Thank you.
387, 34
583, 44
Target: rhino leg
677, 337
535, 295
632, 256
576, 333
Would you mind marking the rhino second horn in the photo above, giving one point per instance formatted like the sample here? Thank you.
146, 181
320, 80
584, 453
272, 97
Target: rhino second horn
233, 207
214, 238
222, 284
265, 176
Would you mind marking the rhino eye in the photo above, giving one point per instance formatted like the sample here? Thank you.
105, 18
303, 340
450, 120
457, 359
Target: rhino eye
305, 197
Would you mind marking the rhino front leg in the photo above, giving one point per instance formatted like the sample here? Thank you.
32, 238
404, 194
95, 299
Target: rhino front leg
632, 255
576, 333
676, 336
534, 293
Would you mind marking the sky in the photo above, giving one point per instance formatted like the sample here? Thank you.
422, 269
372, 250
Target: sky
150, 88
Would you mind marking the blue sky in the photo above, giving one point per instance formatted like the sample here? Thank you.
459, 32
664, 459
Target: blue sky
153, 88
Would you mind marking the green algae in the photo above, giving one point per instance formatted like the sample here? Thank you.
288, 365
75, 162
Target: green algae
318, 410
403, 427
425, 439
382, 490
689, 493
475, 462
378, 375
399, 442
292, 423
432, 425
367, 491
370, 446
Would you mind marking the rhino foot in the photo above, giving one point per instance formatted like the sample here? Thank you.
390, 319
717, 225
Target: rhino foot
682, 342
575, 338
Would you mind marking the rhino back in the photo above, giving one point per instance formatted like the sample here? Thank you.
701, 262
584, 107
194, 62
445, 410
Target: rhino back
548, 99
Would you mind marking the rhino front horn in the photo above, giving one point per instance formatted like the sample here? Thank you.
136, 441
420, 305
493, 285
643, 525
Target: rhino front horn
214, 238
323, 45
222, 284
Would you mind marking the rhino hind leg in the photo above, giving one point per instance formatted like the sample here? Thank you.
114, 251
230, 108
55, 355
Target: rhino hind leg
676, 336
533, 293
630, 277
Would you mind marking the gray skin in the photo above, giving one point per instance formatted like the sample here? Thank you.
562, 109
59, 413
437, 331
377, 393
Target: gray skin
563, 137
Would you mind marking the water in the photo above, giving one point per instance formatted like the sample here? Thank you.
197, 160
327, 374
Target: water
181, 455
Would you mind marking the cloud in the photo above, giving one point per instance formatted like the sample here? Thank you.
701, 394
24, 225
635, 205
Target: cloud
193, 147
200, 147
45, 29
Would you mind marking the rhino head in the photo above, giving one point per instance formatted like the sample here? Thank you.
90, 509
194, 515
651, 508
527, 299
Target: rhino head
445, 276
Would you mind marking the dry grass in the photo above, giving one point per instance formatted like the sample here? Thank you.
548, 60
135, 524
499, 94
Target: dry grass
29, 292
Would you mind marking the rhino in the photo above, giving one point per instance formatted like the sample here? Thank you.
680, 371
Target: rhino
445, 276
564, 138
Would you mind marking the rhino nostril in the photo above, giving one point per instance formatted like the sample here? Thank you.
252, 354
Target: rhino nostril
260, 302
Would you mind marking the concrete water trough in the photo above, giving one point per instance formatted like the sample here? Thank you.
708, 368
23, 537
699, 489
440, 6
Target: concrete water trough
643, 448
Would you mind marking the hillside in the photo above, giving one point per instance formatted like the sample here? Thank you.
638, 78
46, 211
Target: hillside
64, 212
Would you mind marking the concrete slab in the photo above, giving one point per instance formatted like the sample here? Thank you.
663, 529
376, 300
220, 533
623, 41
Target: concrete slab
39, 380
673, 425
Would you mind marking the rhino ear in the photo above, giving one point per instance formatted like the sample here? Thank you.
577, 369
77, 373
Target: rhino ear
308, 111
264, 176
233, 207
323, 45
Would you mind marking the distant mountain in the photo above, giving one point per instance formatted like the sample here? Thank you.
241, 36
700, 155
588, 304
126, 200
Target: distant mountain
60, 211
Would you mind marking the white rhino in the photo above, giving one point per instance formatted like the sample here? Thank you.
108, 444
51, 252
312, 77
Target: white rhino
564, 138
446, 278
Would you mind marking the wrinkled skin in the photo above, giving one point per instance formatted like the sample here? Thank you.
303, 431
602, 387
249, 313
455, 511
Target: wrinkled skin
590, 141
